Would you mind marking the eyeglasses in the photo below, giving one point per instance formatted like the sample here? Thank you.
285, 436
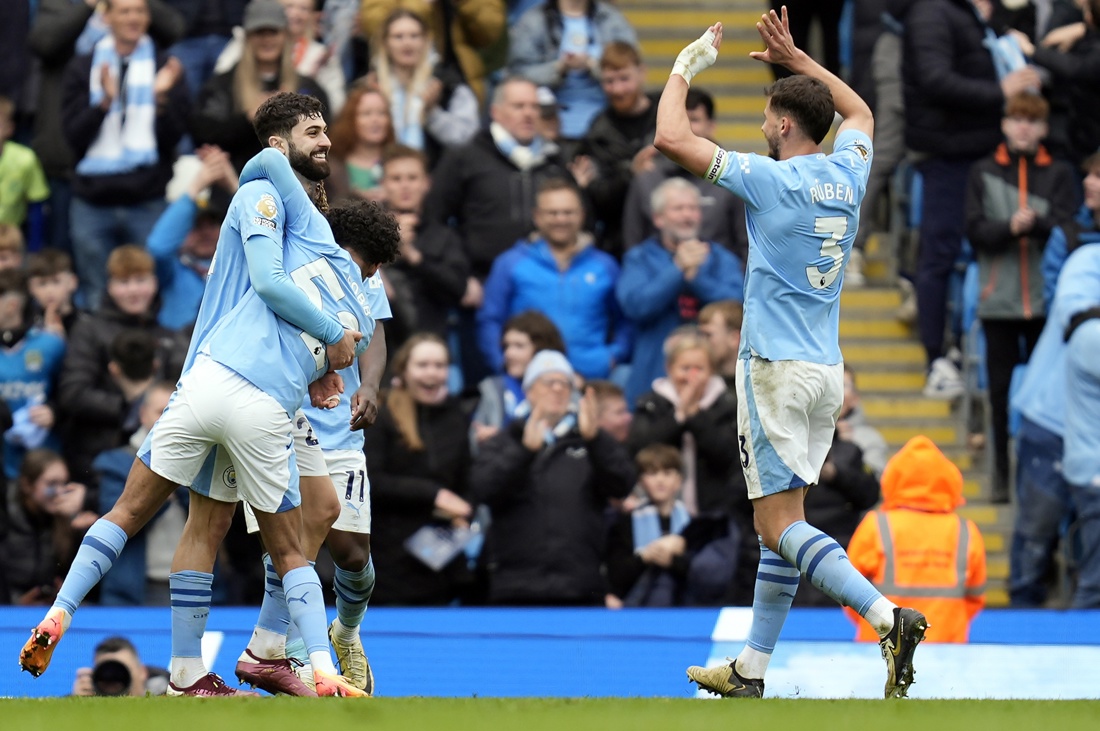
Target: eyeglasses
556, 382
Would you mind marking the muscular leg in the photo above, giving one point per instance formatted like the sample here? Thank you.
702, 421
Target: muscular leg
354, 585
320, 509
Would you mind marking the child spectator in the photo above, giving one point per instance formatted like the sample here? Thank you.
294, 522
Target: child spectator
916, 550
1015, 199
612, 412
647, 560
52, 284
24, 186
30, 360
11, 248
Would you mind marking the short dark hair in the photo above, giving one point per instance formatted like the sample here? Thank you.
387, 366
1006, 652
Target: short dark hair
552, 185
278, 115
48, 262
1090, 163
542, 331
12, 281
7, 109
808, 101
404, 152
657, 457
698, 98
114, 644
366, 228
135, 352
605, 390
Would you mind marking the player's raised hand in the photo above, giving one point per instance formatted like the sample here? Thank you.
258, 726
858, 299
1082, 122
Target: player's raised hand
775, 31
699, 54
342, 354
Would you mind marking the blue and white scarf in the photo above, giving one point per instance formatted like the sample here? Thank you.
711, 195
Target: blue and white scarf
524, 157
646, 522
127, 138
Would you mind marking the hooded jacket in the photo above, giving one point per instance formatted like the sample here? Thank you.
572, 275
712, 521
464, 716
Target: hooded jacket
916, 550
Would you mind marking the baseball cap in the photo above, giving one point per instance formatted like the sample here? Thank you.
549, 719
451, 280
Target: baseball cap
545, 361
264, 14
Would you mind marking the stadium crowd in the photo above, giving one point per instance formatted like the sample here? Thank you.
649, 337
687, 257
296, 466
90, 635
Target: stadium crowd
560, 401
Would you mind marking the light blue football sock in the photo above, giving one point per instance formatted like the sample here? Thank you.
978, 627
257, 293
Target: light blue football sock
274, 615
190, 597
826, 565
296, 646
97, 553
776, 584
306, 604
353, 592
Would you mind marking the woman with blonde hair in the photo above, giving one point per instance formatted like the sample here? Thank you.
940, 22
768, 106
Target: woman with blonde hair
418, 457
431, 105
359, 136
229, 100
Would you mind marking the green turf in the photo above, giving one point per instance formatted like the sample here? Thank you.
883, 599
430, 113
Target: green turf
536, 714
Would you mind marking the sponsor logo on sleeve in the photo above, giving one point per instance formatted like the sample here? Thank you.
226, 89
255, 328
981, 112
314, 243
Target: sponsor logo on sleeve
268, 210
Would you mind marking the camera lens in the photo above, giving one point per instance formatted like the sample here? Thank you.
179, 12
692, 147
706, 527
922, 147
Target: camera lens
111, 677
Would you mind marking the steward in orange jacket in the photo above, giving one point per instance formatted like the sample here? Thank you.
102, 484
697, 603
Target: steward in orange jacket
916, 550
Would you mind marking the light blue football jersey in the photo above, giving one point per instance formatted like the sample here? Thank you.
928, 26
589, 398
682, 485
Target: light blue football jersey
332, 427
802, 216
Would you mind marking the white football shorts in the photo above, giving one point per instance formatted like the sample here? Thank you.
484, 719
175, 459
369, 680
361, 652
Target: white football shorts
348, 470
786, 415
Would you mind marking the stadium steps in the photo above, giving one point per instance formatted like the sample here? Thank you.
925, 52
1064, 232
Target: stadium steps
665, 26
889, 366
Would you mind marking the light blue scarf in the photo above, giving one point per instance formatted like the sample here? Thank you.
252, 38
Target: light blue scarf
647, 523
127, 139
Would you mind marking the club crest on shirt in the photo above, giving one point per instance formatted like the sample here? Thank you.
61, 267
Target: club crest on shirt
32, 361
266, 206
862, 151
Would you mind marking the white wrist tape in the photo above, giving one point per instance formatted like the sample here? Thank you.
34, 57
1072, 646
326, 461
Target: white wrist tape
698, 55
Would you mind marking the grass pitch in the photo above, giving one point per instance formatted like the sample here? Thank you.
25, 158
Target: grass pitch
539, 714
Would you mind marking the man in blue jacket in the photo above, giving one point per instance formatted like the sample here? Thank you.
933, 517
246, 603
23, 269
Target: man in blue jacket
668, 277
562, 275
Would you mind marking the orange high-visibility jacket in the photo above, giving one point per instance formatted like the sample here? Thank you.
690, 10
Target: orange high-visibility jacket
916, 550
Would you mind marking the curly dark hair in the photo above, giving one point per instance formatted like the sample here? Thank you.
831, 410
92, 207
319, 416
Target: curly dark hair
279, 114
366, 228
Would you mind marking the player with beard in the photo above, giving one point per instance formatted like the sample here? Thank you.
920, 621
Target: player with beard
802, 211
249, 257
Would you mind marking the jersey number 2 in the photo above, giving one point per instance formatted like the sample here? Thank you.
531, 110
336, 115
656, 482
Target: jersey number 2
835, 227
306, 277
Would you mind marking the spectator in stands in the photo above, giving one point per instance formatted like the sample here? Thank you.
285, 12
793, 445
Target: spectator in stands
185, 237
1014, 200
917, 550
612, 411
15, 56
432, 260
558, 44
53, 39
30, 360
12, 249
359, 135
546, 479
619, 143
647, 558
139, 576
46, 520
207, 28
720, 324
565, 277
419, 458
311, 58
462, 30
669, 276
1075, 73
431, 106
24, 191
549, 122
94, 403
229, 100
500, 398
117, 670
954, 103
125, 111
486, 188
803, 13
848, 485
52, 284
723, 220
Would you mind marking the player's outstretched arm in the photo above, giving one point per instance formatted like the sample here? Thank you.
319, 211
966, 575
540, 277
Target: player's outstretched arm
775, 31
674, 136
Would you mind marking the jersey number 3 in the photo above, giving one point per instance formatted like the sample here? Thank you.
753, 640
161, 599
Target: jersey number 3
835, 227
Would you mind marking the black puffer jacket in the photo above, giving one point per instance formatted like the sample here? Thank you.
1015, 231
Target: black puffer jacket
488, 197
1077, 78
953, 100
404, 484
547, 542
